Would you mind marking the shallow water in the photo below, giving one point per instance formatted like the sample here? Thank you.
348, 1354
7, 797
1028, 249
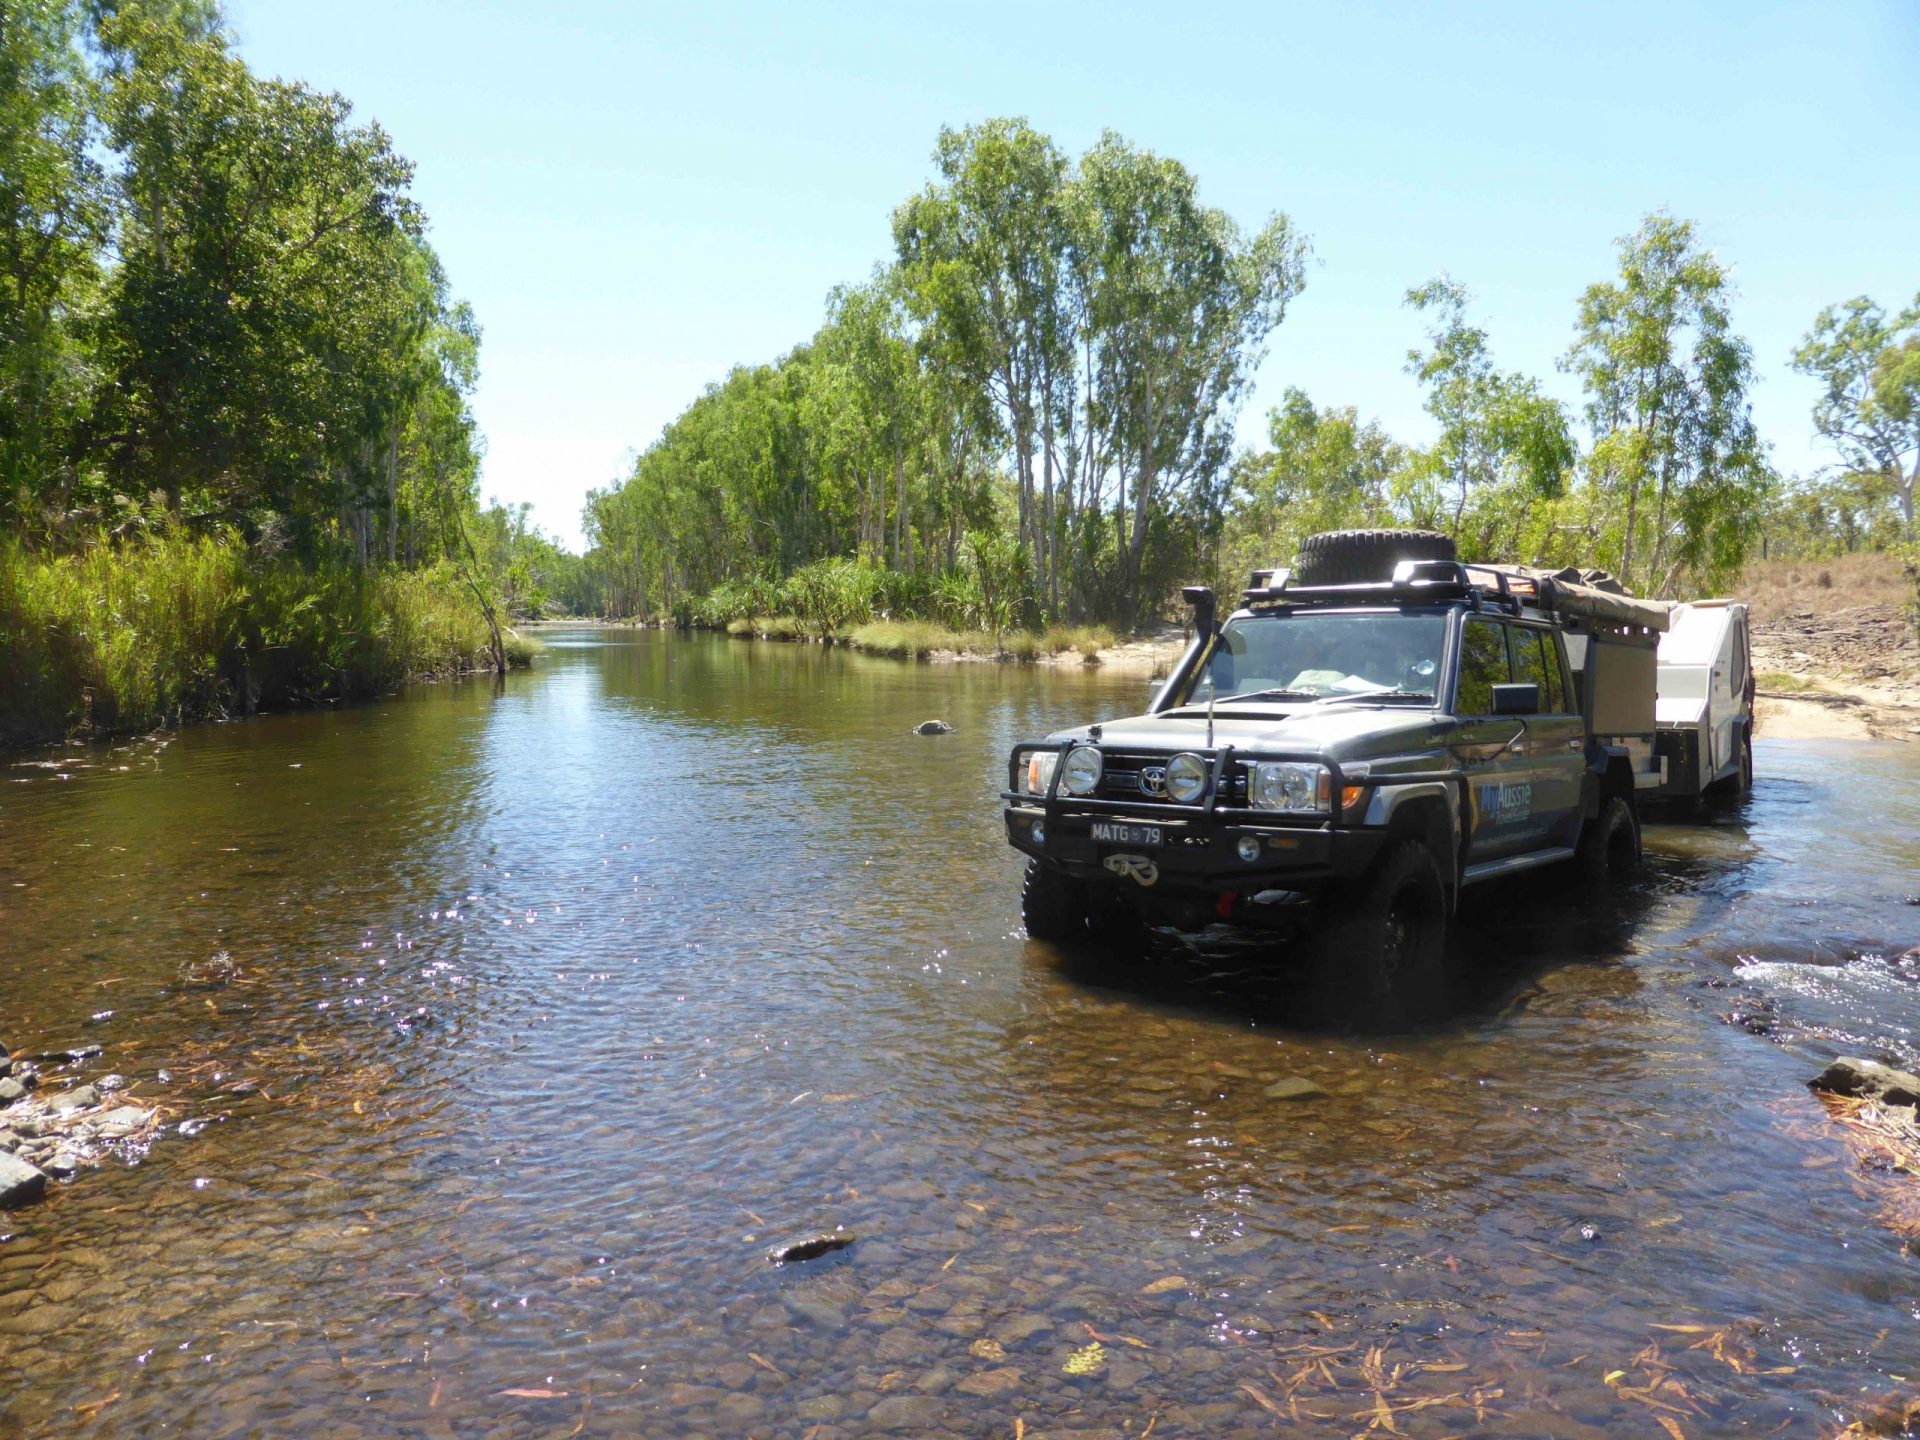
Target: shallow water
564, 1004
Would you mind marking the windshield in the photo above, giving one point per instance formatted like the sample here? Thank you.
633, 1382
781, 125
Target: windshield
1325, 656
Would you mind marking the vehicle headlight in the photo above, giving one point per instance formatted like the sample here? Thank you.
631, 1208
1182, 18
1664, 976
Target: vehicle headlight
1081, 774
1040, 765
1284, 785
1186, 778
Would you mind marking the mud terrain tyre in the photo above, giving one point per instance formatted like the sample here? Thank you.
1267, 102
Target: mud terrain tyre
1383, 950
1353, 557
1054, 906
1609, 848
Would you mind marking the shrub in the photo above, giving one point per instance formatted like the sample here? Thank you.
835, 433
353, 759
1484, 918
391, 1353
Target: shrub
830, 595
172, 627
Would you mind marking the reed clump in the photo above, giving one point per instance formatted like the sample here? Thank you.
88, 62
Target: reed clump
122, 636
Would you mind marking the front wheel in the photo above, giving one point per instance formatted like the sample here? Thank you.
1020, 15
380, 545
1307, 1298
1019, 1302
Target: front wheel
1385, 948
1053, 906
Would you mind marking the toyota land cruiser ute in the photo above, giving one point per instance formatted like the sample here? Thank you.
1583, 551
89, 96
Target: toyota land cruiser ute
1364, 737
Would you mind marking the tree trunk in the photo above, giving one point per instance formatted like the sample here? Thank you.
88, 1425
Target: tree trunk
902, 556
393, 494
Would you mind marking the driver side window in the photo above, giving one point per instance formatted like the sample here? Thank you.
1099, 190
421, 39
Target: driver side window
1483, 665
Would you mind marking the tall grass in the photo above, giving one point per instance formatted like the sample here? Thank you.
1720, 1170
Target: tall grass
176, 627
907, 639
917, 639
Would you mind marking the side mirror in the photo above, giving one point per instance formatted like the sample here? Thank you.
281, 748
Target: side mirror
1520, 698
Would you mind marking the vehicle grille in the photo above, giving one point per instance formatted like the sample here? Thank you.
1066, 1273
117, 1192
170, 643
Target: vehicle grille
1120, 780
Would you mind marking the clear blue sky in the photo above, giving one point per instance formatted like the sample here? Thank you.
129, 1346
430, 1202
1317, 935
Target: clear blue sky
637, 197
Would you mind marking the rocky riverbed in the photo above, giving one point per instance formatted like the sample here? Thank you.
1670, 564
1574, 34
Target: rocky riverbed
56, 1121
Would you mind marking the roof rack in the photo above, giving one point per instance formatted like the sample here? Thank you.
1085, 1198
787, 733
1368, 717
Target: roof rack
1503, 587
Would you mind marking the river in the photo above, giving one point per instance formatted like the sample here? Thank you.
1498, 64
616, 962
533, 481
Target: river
555, 1008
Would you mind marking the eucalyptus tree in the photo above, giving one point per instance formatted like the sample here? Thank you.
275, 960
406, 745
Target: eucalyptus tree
1674, 453
1499, 432
1325, 470
1868, 366
1178, 305
53, 221
867, 411
980, 254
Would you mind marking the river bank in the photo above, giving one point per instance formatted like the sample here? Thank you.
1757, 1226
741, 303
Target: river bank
1836, 647
1853, 674
120, 639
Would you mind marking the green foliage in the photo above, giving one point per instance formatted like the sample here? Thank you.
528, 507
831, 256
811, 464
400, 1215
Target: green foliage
1675, 456
1869, 409
53, 223
1503, 444
233, 387
1324, 470
830, 595
172, 627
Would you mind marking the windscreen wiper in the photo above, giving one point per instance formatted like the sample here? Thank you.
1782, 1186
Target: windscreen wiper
1368, 696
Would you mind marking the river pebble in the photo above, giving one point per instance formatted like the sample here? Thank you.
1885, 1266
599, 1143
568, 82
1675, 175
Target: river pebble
20, 1183
83, 1097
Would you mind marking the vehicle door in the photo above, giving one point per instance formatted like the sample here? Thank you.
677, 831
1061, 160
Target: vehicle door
1491, 749
1726, 692
1556, 738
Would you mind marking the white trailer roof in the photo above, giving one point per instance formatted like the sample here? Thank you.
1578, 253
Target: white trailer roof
1696, 635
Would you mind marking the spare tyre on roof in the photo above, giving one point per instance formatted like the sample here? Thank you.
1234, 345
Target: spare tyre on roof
1354, 557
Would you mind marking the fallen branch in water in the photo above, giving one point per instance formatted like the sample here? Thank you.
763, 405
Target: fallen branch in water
1885, 1143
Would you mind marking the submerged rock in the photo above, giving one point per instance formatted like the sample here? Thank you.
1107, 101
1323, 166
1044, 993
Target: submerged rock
1294, 1087
1869, 1080
933, 727
20, 1183
990, 1384
812, 1247
121, 1121
10, 1090
64, 1057
84, 1097
907, 1412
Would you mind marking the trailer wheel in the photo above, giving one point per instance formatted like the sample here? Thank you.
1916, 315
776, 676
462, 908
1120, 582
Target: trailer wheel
1053, 906
1609, 848
1352, 557
1746, 760
1384, 953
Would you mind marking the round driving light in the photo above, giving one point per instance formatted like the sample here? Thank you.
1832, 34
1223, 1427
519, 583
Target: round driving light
1249, 848
1039, 833
1186, 778
1080, 771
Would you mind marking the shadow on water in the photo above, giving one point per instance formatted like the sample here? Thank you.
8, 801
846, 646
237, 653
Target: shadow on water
1505, 938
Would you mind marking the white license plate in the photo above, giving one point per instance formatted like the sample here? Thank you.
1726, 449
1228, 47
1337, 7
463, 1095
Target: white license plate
1112, 832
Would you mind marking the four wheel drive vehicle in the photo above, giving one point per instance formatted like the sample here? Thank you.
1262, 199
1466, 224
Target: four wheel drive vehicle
1365, 737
